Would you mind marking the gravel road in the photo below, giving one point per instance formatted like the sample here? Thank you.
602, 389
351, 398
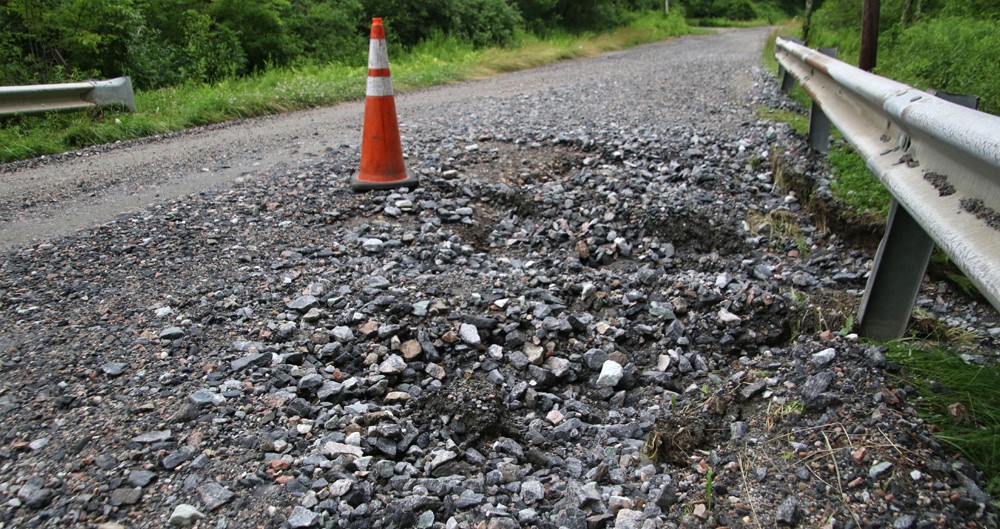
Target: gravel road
605, 307
58, 195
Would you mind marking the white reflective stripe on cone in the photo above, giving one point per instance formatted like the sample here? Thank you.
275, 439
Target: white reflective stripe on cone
379, 86
378, 55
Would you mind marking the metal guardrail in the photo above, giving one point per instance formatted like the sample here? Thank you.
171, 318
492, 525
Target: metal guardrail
939, 160
68, 97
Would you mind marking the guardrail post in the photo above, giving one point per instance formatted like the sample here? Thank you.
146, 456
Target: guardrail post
959, 99
895, 278
787, 80
899, 266
819, 123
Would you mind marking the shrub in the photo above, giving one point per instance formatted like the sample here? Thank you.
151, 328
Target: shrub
952, 54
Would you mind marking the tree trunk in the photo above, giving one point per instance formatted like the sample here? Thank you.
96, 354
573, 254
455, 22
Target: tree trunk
666, 6
904, 19
869, 35
808, 22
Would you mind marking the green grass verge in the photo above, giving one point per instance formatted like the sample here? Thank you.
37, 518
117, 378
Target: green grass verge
798, 122
435, 62
854, 185
961, 400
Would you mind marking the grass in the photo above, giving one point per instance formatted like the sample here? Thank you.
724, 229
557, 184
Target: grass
961, 400
438, 61
854, 185
798, 122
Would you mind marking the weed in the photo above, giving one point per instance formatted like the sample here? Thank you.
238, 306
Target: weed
942, 265
961, 400
780, 410
708, 488
819, 310
781, 227
848, 327
925, 326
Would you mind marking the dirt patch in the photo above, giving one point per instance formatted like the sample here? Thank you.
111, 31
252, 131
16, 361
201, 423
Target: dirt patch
519, 164
860, 229
470, 410
821, 310
687, 230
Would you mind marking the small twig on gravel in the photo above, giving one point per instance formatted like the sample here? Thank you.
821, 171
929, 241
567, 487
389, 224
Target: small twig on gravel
840, 485
746, 490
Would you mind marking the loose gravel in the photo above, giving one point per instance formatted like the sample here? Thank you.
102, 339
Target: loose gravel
597, 311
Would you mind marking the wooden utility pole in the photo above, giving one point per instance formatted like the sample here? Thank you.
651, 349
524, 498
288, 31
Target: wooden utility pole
869, 35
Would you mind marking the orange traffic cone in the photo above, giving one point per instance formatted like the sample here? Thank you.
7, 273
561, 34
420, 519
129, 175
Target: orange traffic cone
381, 152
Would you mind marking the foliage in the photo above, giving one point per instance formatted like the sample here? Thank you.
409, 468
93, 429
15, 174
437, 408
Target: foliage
163, 43
950, 54
946, 45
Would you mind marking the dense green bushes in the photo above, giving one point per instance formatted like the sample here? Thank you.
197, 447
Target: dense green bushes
950, 46
170, 42
167, 42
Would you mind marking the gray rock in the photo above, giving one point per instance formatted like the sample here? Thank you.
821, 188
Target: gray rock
251, 360
214, 495
34, 495
311, 381
126, 496
559, 367
469, 334
392, 365
532, 492
372, 245
302, 303
157, 436
879, 468
302, 517
204, 397
817, 384
171, 333
140, 478
329, 389
342, 333
737, 430
823, 358
177, 458
788, 511
629, 519
752, 389
469, 498
905, 521
114, 369
611, 374
185, 515
595, 358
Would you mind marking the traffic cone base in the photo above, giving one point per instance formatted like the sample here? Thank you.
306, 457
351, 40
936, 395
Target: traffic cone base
382, 164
